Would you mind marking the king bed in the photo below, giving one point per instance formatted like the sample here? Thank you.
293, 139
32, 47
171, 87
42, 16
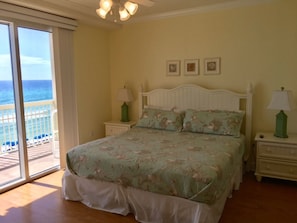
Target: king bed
178, 164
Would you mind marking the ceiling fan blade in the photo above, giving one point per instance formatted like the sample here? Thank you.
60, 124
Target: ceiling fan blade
147, 3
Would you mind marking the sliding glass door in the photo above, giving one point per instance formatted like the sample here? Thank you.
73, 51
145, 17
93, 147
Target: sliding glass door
10, 168
28, 112
39, 99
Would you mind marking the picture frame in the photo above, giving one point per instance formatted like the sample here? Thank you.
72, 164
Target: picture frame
212, 65
173, 68
191, 67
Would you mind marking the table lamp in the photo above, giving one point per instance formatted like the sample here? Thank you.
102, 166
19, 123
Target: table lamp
125, 95
281, 100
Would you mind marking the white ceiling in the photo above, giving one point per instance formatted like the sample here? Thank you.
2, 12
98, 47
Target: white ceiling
84, 10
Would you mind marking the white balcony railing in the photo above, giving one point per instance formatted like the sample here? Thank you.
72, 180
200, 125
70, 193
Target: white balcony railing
39, 124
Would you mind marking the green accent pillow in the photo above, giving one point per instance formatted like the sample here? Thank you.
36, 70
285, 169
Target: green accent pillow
161, 119
217, 122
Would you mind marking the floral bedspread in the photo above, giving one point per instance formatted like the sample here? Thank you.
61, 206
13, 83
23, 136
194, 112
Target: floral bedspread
189, 165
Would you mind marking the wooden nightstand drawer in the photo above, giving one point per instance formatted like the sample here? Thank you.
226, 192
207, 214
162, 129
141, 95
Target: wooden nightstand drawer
277, 169
115, 130
116, 127
277, 150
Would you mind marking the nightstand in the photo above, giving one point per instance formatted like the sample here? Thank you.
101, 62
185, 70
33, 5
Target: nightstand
117, 127
276, 157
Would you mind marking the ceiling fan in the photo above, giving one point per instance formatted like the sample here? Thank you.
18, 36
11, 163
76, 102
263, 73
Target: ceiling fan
120, 9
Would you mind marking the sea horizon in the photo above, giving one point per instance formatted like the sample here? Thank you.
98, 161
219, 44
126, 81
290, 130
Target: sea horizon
33, 90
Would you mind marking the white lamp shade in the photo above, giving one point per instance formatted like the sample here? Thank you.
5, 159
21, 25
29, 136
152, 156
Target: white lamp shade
106, 5
124, 14
101, 12
131, 7
125, 95
282, 100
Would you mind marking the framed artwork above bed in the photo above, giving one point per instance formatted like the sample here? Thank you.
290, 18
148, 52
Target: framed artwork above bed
173, 68
191, 67
212, 65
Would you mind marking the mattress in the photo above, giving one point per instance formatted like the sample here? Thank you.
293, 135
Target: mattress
197, 167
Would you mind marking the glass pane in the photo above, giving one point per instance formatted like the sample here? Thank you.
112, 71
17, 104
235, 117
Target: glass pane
39, 101
9, 153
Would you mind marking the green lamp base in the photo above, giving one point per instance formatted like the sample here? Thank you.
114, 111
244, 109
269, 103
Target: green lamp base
125, 117
281, 125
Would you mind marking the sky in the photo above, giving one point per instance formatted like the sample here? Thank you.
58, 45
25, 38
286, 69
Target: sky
35, 54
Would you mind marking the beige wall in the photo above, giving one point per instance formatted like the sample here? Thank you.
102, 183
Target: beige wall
92, 81
256, 44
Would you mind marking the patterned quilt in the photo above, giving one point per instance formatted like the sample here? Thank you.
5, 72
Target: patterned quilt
189, 165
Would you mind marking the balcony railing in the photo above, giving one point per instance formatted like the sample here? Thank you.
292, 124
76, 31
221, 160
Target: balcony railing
40, 122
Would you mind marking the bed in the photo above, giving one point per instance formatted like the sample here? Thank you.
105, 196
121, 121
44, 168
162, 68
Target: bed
178, 164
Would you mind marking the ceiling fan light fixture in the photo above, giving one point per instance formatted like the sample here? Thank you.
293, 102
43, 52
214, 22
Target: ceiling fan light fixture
131, 7
106, 5
102, 13
124, 14
113, 9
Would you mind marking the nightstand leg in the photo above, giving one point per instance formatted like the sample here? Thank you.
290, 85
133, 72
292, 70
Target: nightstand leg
259, 178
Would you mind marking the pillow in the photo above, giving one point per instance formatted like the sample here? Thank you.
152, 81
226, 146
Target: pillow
161, 119
217, 122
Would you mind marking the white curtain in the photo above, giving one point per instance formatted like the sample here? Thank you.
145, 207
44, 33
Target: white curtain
66, 94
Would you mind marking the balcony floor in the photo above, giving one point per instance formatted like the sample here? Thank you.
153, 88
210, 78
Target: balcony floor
41, 157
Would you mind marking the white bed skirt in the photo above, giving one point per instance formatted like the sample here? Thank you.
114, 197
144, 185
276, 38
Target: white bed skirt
147, 207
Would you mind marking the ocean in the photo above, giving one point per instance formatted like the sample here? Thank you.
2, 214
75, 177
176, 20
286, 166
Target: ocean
36, 125
34, 90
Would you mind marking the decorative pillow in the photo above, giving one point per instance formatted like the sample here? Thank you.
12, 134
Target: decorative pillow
213, 122
160, 119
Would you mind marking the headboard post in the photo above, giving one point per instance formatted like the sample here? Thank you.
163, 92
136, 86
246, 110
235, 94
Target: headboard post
248, 127
141, 101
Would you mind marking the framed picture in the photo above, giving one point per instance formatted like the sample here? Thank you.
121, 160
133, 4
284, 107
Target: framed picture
212, 65
173, 67
191, 67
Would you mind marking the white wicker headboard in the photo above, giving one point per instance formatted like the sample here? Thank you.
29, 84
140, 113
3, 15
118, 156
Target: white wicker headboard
199, 98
